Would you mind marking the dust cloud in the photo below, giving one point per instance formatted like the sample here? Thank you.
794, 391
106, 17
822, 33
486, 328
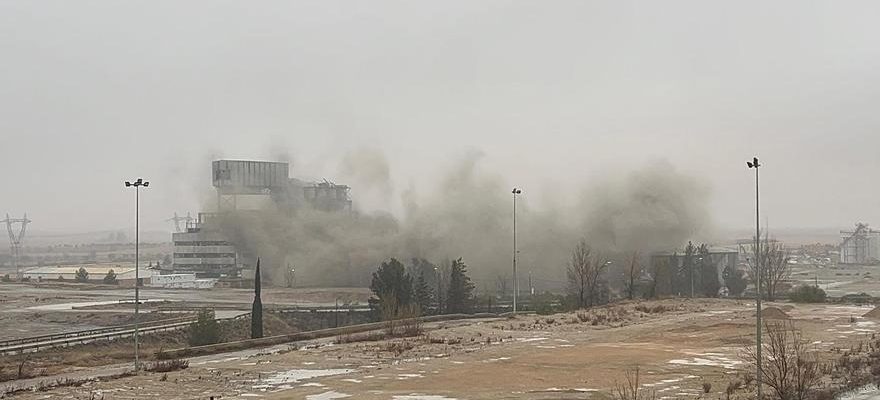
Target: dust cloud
467, 213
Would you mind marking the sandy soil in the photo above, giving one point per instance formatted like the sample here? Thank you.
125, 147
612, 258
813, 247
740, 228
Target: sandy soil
677, 348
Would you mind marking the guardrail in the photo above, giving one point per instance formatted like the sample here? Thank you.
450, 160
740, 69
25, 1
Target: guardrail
65, 342
89, 332
45, 342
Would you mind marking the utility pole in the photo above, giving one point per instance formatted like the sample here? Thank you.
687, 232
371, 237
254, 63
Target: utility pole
515, 192
16, 240
754, 164
137, 280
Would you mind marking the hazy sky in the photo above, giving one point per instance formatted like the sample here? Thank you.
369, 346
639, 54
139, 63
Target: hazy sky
554, 94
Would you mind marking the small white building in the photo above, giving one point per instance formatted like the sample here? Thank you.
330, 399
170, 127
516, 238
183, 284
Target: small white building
184, 281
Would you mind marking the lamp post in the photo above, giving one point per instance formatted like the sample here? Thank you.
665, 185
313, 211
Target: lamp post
137, 280
515, 192
759, 379
292, 276
439, 290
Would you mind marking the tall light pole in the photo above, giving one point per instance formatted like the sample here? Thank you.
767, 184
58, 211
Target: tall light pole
439, 290
754, 164
137, 278
515, 192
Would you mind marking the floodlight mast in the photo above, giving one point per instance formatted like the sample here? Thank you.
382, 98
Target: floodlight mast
137, 184
515, 192
758, 271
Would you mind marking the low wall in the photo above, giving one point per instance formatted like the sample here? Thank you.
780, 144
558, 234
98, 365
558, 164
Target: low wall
299, 336
315, 320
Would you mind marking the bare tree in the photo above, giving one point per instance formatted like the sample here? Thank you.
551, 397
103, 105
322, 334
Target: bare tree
631, 275
775, 267
631, 389
789, 365
584, 274
501, 285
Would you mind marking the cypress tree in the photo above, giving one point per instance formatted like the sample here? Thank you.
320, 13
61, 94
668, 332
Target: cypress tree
423, 293
257, 309
459, 298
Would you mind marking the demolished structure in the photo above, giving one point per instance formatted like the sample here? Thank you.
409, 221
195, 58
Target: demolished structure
246, 187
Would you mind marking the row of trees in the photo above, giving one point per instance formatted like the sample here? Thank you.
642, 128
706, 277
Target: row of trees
82, 276
692, 273
397, 289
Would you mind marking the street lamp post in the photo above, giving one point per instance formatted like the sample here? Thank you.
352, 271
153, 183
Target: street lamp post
759, 379
439, 290
515, 192
137, 279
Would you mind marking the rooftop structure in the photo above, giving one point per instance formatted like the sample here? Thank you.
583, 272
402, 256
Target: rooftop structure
328, 196
246, 186
860, 246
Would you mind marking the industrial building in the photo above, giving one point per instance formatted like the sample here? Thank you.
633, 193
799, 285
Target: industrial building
246, 186
669, 267
202, 250
860, 245
238, 179
125, 273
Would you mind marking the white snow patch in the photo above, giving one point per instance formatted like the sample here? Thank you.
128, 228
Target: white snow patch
579, 390
327, 396
296, 375
708, 360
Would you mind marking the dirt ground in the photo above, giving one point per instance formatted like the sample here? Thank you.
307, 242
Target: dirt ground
678, 345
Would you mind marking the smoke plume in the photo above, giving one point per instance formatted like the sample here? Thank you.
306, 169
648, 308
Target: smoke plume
468, 214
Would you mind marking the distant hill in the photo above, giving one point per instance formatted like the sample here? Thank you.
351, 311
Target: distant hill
44, 238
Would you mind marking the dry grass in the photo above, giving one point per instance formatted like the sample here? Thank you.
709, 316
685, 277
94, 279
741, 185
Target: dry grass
49, 362
373, 336
167, 365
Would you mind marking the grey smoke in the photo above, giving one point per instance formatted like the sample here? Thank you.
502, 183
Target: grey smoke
467, 213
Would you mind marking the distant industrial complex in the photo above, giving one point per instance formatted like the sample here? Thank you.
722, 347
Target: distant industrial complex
860, 245
202, 248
